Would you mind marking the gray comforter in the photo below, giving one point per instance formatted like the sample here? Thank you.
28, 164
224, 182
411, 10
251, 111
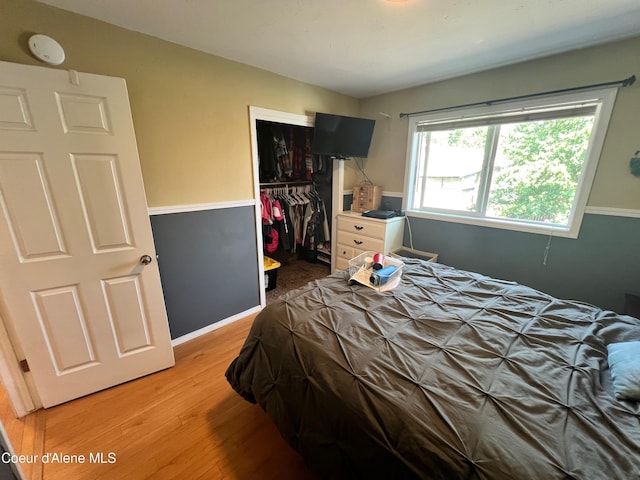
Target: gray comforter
452, 375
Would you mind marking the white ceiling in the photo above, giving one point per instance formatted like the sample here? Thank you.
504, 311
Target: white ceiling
367, 47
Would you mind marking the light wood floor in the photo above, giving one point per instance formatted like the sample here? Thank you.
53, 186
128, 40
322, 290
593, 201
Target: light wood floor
183, 423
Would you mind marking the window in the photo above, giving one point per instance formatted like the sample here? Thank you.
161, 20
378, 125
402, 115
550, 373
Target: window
522, 166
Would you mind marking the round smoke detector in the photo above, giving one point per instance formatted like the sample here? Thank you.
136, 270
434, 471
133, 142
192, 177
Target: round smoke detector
46, 49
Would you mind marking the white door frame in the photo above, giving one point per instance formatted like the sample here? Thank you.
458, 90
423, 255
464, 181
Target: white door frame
23, 399
258, 113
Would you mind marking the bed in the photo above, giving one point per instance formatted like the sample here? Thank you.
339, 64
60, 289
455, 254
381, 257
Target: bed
451, 375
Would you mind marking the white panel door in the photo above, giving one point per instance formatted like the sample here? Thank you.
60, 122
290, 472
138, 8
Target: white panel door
87, 312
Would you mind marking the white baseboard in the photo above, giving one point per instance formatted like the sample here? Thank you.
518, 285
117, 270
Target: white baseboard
215, 326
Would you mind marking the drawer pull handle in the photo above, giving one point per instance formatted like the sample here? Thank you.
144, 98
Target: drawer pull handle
358, 242
358, 227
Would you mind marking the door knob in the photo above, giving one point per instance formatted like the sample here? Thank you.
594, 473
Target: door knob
145, 259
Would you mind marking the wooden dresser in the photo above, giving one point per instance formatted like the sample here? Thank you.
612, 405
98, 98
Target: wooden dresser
356, 234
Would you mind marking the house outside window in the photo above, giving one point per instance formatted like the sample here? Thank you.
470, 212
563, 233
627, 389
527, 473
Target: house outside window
525, 165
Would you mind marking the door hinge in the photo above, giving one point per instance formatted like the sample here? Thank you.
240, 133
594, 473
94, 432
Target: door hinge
24, 365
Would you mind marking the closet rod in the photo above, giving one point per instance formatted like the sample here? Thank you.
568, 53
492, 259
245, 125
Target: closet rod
293, 183
623, 83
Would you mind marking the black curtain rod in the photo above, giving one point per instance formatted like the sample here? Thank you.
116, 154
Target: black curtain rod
624, 83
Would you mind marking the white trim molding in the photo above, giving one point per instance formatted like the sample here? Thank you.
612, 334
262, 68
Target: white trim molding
614, 212
215, 326
197, 207
22, 399
392, 194
384, 193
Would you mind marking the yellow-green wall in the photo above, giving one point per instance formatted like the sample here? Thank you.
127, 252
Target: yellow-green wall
190, 109
614, 186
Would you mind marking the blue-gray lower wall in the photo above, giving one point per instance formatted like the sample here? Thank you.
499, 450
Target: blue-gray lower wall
208, 266
347, 200
598, 267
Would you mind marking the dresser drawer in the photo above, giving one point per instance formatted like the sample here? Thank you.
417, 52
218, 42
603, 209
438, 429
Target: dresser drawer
342, 264
359, 241
345, 251
361, 227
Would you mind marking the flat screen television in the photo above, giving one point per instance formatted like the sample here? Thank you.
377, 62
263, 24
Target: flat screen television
340, 136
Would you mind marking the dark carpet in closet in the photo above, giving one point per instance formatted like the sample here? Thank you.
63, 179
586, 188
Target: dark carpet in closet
295, 273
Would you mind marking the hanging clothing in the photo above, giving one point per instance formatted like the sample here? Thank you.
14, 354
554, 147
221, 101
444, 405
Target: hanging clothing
284, 151
308, 157
298, 217
267, 161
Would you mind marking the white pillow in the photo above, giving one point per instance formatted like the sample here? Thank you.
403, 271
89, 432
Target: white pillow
624, 363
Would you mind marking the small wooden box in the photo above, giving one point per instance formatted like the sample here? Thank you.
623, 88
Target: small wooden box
366, 197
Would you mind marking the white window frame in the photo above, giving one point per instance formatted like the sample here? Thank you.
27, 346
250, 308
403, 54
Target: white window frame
605, 99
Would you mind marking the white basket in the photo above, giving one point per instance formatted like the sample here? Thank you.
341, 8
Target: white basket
361, 271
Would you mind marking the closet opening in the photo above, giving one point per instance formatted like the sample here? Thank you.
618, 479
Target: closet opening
296, 270
296, 205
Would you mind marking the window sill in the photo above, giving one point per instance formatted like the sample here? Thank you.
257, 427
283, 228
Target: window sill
556, 231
